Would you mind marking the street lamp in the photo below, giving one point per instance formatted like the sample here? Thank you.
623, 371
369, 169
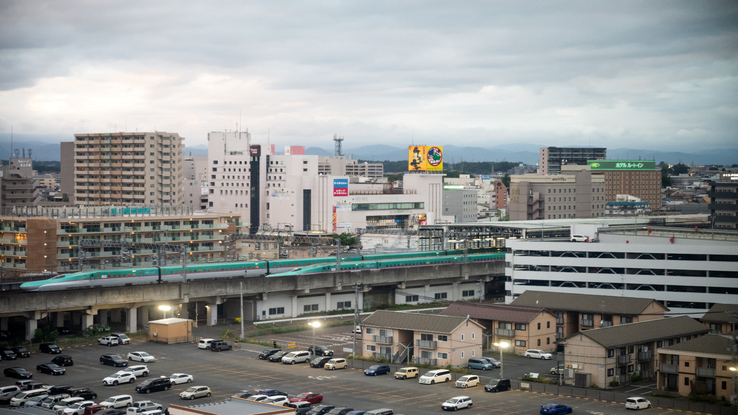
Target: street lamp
164, 309
502, 345
314, 325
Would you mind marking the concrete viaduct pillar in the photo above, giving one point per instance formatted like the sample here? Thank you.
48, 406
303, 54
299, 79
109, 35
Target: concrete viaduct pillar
102, 317
31, 326
143, 315
59, 319
132, 320
212, 316
183, 311
87, 320
328, 302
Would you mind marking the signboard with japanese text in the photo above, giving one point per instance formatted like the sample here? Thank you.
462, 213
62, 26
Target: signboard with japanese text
621, 165
340, 187
425, 158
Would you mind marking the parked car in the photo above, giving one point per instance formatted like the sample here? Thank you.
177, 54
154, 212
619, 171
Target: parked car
268, 352
137, 370
555, 408
578, 238
355, 412
113, 360
112, 411
277, 357
36, 400
338, 363
381, 411
65, 403
51, 369
93, 409
479, 364
277, 400
154, 385
301, 408
467, 381
457, 402
497, 385
21, 398
29, 385
496, 364
118, 401
558, 371
321, 410
375, 370
77, 408
637, 403
11, 388
258, 398
321, 351
141, 357
108, 341
17, 372
407, 373
220, 345
204, 344
7, 355
196, 392
339, 411
51, 401
435, 376
308, 397
179, 378
320, 361
270, 392
122, 338
296, 357
146, 405
120, 377
58, 389
85, 393
63, 360
7, 396
50, 348
537, 354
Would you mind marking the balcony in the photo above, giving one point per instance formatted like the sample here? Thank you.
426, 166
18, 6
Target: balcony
559, 335
586, 323
644, 356
706, 372
382, 339
606, 323
505, 332
559, 320
668, 368
624, 360
425, 361
426, 344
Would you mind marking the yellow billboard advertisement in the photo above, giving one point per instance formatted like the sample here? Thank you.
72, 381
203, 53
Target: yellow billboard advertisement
425, 158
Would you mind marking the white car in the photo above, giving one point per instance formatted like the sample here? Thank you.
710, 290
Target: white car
637, 403
122, 338
120, 377
143, 406
77, 408
457, 402
108, 341
66, 403
277, 400
118, 401
467, 381
578, 238
538, 354
258, 398
178, 378
140, 357
296, 357
137, 370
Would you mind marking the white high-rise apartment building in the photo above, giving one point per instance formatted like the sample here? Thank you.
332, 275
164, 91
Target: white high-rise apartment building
142, 168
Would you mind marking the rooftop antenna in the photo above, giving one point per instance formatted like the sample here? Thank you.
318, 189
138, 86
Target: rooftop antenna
338, 140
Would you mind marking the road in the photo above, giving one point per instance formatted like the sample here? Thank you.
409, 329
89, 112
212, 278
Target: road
233, 371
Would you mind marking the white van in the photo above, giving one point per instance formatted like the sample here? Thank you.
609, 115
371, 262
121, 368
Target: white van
435, 376
205, 343
23, 397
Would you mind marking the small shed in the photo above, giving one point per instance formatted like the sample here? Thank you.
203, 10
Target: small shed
170, 330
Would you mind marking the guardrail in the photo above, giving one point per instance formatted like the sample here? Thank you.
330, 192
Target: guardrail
363, 313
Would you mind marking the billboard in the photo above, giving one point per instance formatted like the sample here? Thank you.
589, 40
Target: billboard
340, 187
425, 158
621, 165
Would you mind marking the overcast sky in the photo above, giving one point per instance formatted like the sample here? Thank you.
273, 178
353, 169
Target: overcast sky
645, 74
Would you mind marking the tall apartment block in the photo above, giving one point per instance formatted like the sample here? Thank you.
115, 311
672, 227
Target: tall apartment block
128, 169
67, 169
724, 201
195, 182
550, 159
16, 183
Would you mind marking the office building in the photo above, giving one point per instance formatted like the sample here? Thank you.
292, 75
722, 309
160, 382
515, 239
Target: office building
498, 197
196, 182
346, 166
576, 193
723, 205
550, 159
140, 168
17, 187
67, 169
459, 204
638, 178
626, 206
685, 270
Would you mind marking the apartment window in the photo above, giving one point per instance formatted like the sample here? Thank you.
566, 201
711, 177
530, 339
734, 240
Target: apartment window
440, 296
548, 340
686, 364
462, 355
276, 310
426, 337
548, 324
610, 372
411, 298
474, 353
610, 352
370, 331
686, 381
467, 293
343, 304
539, 342
631, 349
310, 307
442, 355
724, 385
442, 338
520, 326
626, 320
539, 326
474, 335
520, 343
462, 337
659, 343
630, 368
371, 348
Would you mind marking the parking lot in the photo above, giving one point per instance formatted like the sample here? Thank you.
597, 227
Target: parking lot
232, 371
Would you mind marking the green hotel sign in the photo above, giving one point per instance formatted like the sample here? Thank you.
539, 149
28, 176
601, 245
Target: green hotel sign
621, 165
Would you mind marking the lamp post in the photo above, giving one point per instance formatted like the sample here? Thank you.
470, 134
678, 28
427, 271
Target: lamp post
164, 309
502, 345
314, 325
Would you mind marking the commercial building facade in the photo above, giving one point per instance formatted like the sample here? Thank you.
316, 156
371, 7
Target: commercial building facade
16, 183
196, 182
723, 205
551, 159
638, 178
139, 168
459, 204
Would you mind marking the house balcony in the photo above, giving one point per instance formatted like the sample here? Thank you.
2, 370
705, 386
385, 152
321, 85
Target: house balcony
644, 356
586, 323
382, 339
426, 344
606, 323
706, 372
559, 335
559, 320
505, 332
668, 368
624, 360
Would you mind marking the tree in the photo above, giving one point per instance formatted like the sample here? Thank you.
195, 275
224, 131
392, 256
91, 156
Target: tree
679, 169
45, 334
665, 179
347, 239
453, 174
506, 181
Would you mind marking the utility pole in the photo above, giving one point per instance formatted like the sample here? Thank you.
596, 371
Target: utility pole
184, 263
357, 285
241, 286
338, 254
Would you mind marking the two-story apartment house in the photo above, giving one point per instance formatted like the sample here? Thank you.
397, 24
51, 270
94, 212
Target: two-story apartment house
578, 312
601, 356
430, 339
521, 327
721, 318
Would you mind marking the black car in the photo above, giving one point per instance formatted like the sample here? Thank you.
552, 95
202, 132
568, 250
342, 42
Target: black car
321, 410
320, 361
63, 360
277, 357
268, 352
7, 396
339, 411
270, 392
84, 393
497, 385
18, 373
7, 355
50, 369
219, 345
50, 348
113, 360
20, 351
55, 390
64, 330
243, 395
154, 385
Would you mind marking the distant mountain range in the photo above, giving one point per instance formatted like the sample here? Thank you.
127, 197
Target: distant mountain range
525, 153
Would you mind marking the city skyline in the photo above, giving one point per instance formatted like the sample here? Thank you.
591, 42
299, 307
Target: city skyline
625, 75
